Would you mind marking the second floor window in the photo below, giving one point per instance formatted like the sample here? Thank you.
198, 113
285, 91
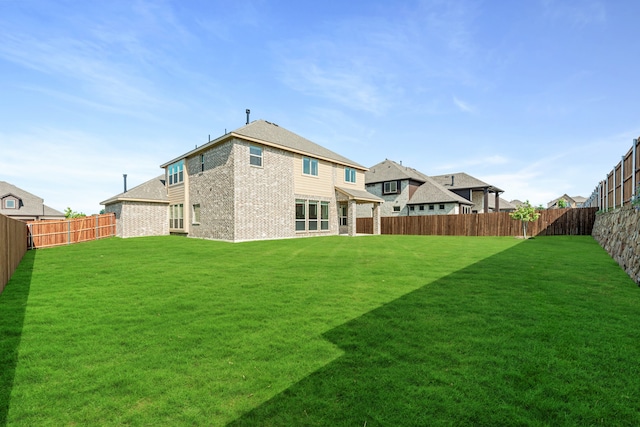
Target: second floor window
255, 155
390, 187
310, 166
349, 175
10, 204
201, 162
176, 172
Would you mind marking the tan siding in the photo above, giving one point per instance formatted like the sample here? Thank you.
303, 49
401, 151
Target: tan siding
321, 185
176, 194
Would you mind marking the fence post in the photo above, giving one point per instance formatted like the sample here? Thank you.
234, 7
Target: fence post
622, 182
635, 162
68, 232
97, 235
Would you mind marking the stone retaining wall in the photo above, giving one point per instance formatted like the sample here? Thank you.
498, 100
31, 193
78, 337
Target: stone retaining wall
618, 232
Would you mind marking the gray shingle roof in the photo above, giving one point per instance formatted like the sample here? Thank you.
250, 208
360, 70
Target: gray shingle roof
151, 191
32, 205
359, 195
272, 134
388, 170
462, 180
432, 192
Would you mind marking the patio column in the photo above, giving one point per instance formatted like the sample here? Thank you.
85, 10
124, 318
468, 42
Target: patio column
497, 209
486, 201
351, 218
376, 218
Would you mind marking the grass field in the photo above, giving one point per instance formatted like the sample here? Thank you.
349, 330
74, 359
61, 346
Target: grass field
376, 330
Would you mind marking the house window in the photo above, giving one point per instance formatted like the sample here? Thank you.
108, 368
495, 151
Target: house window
431, 207
176, 172
201, 162
310, 166
421, 207
311, 214
255, 155
390, 187
396, 208
196, 214
349, 174
411, 208
441, 207
301, 215
343, 214
176, 219
9, 204
324, 215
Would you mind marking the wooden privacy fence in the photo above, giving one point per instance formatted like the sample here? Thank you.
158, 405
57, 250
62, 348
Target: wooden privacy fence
44, 234
552, 222
621, 184
13, 245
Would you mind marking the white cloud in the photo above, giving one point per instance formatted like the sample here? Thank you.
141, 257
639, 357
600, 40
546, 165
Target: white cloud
463, 106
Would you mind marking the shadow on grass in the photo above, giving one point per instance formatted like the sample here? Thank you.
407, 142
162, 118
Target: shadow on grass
482, 346
13, 304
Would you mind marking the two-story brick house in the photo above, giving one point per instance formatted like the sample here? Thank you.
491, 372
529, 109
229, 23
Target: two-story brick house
409, 192
262, 181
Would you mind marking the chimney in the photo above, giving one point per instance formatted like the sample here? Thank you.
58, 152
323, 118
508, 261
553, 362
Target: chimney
248, 112
124, 175
452, 180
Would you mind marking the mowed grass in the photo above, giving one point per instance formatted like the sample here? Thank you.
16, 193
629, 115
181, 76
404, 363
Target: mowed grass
378, 330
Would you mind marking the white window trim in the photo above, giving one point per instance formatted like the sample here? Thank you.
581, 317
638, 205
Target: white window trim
311, 161
256, 156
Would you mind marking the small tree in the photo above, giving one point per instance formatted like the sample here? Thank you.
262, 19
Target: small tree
525, 213
562, 203
68, 213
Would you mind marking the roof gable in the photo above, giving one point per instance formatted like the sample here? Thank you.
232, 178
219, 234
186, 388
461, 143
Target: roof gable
461, 180
267, 133
388, 170
432, 192
153, 190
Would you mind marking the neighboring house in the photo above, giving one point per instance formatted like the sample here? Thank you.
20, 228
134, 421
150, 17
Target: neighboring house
504, 205
408, 192
141, 211
473, 189
571, 202
22, 205
260, 181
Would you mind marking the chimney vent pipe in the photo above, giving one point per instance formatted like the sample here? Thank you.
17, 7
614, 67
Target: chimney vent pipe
124, 175
248, 112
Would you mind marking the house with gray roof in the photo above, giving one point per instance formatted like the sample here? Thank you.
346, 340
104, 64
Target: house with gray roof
408, 192
141, 211
22, 205
569, 202
260, 181
472, 189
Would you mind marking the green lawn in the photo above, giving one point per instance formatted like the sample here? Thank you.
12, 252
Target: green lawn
377, 330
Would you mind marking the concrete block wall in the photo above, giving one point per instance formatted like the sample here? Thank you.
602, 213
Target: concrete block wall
618, 232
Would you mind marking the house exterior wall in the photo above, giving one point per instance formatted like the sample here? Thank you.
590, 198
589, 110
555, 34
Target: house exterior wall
400, 199
264, 202
477, 198
213, 190
449, 209
136, 219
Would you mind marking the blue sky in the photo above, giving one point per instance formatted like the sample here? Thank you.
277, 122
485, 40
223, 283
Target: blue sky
538, 97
